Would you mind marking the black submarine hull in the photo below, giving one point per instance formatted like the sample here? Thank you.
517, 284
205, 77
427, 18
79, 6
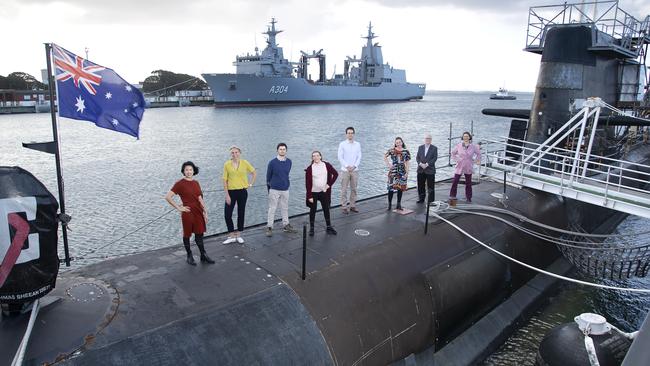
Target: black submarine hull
367, 300
402, 294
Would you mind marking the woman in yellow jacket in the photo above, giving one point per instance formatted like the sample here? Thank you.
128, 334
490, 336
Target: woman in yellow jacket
235, 185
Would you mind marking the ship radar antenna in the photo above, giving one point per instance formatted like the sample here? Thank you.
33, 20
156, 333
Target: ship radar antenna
271, 32
370, 35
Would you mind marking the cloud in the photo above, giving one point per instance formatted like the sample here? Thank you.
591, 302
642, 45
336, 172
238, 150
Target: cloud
175, 12
637, 8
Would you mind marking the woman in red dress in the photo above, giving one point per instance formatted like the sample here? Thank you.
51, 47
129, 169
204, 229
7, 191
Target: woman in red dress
193, 213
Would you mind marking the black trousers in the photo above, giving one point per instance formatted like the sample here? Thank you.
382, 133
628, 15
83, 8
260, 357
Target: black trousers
238, 197
322, 198
423, 190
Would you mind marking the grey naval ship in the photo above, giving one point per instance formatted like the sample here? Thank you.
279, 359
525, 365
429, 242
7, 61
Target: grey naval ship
269, 78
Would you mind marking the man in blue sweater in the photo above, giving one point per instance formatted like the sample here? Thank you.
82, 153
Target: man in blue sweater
277, 182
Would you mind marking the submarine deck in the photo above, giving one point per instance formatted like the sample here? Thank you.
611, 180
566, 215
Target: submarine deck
117, 301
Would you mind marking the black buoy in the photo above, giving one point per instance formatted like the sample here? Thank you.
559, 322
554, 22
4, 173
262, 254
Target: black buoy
564, 345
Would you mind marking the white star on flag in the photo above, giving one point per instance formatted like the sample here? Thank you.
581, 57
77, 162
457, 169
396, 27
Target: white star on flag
109, 95
128, 88
135, 105
80, 105
115, 122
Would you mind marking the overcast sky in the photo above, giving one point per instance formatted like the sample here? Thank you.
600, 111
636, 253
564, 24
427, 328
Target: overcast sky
448, 44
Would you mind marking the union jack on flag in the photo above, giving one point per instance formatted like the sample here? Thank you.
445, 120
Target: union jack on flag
89, 92
73, 68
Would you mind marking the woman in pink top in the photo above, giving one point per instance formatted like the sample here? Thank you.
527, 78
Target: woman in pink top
465, 154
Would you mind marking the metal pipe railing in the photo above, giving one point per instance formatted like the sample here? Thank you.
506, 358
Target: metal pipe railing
550, 165
611, 20
612, 160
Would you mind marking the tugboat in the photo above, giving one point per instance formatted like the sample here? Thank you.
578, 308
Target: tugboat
269, 78
502, 94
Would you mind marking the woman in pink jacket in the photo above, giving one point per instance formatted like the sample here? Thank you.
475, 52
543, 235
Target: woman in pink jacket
465, 154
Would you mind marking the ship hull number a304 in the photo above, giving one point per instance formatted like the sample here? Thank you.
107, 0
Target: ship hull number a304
279, 89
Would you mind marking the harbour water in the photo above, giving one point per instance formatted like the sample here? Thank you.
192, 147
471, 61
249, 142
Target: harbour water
115, 184
624, 310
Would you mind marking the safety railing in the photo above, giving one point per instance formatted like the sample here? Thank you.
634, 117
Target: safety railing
606, 16
614, 183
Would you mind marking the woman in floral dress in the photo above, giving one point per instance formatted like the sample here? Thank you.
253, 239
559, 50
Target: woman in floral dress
397, 159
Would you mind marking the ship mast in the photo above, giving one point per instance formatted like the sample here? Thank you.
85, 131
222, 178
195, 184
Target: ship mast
369, 46
271, 33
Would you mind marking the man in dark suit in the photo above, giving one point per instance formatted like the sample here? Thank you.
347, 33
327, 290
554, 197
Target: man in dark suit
426, 159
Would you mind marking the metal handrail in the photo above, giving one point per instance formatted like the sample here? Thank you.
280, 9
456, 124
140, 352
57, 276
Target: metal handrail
549, 165
585, 161
612, 21
565, 150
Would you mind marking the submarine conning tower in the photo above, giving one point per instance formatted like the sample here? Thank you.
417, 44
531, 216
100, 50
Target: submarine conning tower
588, 50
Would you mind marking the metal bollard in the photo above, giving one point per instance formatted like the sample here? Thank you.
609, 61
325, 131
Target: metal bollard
426, 219
431, 191
304, 250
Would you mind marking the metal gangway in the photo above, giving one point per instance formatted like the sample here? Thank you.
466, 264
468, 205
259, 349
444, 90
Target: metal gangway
565, 165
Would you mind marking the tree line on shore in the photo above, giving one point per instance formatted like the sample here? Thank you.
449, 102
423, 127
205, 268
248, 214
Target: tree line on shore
160, 82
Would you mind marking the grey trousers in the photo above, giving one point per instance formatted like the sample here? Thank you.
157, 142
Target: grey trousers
282, 198
349, 179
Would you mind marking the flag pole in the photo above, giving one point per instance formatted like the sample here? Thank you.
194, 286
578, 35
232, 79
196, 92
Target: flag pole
57, 154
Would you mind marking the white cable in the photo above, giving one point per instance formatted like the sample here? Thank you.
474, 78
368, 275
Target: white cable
551, 239
645, 291
591, 351
631, 336
526, 219
20, 355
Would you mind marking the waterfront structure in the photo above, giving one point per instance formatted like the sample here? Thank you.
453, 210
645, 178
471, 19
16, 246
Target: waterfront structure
269, 78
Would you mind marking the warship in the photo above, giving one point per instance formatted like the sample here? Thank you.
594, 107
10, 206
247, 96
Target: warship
269, 78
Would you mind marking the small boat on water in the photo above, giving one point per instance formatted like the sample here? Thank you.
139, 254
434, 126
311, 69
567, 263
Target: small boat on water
502, 94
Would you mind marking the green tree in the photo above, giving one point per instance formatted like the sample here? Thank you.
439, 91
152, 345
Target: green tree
163, 82
21, 81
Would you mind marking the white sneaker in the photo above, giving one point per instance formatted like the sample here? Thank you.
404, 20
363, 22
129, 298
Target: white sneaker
230, 240
240, 240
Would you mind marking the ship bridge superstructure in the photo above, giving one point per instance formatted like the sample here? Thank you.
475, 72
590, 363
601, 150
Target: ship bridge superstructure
370, 68
270, 62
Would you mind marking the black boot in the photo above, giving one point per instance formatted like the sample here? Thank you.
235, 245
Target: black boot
190, 260
399, 200
311, 229
330, 230
204, 255
206, 259
190, 257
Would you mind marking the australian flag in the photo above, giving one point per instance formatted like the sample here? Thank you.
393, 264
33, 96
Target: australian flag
89, 92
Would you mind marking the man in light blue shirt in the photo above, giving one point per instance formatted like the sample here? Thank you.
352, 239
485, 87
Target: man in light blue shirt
349, 157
